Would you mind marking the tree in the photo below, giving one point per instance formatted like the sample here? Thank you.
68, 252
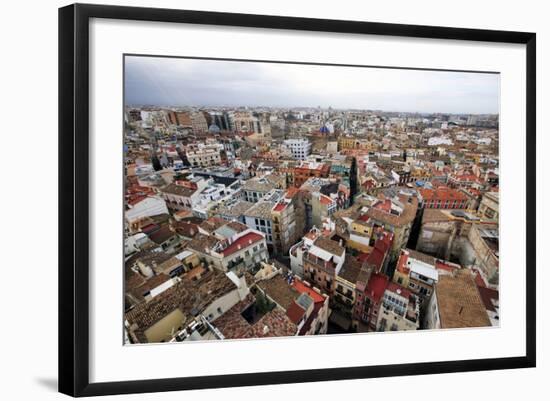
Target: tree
353, 180
156, 163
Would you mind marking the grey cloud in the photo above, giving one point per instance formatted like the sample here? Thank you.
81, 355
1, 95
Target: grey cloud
186, 82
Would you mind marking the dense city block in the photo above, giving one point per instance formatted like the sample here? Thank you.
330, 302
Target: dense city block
245, 222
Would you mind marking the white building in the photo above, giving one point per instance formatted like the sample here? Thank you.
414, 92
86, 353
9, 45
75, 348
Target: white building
399, 310
297, 252
300, 148
439, 140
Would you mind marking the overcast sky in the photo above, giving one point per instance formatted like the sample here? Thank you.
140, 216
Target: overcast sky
186, 82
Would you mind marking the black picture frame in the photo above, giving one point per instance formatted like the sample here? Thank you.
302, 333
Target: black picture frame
74, 198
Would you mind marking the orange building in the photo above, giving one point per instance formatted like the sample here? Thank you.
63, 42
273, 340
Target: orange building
307, 170
443, 198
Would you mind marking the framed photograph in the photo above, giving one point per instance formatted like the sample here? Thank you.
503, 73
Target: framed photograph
251, 199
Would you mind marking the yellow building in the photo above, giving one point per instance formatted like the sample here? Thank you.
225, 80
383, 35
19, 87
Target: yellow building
360, 236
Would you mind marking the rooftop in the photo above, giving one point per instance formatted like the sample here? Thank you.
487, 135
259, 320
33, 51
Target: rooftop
459, 301
442, 194
410, 205
189, 296
242, 243
179, 190
274, 323
278, 289
259, 184
261, 210
329, 245
236, 209
212, 224
351, 269
202, 243
161, 235
376, 286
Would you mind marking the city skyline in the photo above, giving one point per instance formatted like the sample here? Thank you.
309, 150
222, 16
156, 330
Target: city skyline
181, 82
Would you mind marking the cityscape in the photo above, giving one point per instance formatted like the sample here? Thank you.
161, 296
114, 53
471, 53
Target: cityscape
281, 200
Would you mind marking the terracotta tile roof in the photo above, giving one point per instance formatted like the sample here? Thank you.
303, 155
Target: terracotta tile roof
231, 323
202, 243
133, 280
162, 234
428, 259
459, 301
295, 312
188, 296
179, 190
273, 324
278, 289
406, 217
186, 228
329, 246
154, 282
212, 224
442, 194
351, 269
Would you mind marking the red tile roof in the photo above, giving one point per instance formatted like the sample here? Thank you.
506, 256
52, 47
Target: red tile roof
295, 312
381, 247
242, 242
302, 288
376, 286
442, 193
396, 288
279, 207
